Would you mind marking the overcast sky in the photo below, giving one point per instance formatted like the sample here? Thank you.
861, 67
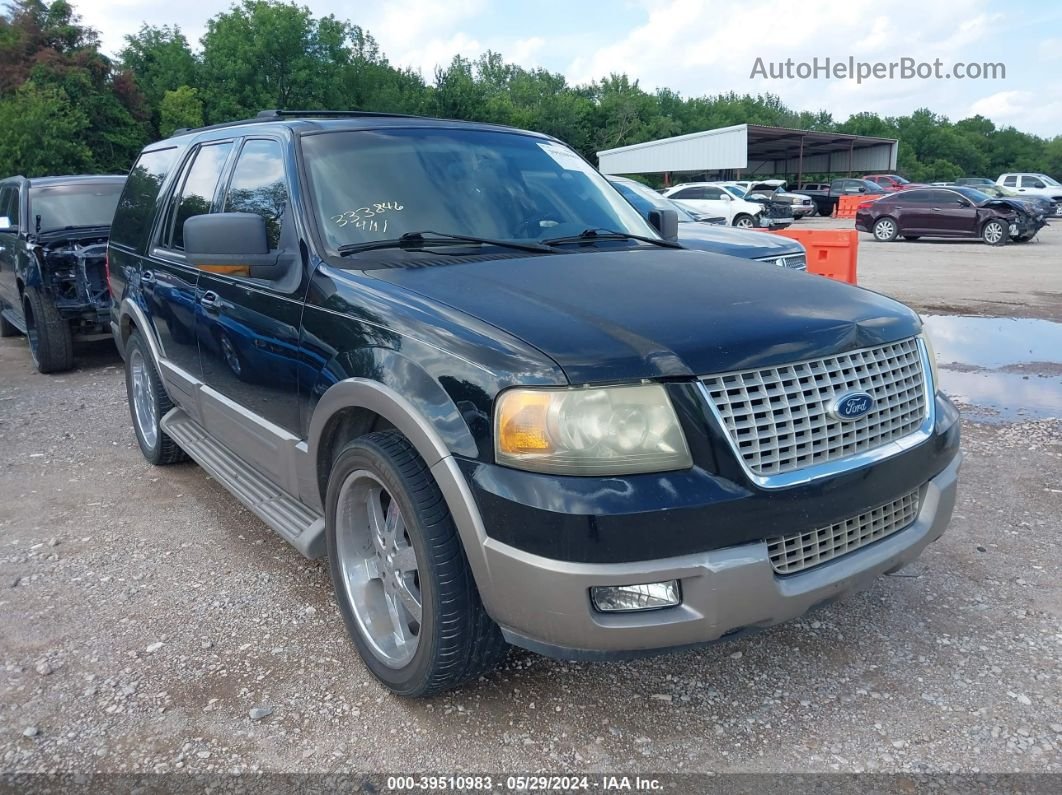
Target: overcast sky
699, 47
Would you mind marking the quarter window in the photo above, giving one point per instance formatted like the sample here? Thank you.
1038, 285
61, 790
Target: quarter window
258, 186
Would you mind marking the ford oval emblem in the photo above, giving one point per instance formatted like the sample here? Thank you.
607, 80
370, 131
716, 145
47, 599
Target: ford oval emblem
852, 406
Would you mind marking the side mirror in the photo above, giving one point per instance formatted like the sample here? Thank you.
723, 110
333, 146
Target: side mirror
5, 224
964, 203
665, 222
233, 243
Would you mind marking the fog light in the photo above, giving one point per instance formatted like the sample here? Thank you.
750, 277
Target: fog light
628, 598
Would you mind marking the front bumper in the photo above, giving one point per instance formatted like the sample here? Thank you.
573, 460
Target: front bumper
544, 605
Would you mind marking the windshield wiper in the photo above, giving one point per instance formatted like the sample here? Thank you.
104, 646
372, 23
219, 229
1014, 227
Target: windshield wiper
592, 235
415, 240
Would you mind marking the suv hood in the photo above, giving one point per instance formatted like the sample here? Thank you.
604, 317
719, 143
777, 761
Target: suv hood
613, 316
736, 242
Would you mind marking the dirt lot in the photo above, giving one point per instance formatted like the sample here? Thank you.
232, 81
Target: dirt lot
963, 276
144, 614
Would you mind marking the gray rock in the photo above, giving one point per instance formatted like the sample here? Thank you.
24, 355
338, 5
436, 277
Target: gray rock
30, 731
257, 713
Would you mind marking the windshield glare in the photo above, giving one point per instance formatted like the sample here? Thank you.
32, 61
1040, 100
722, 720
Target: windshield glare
372, 185
645, 199
1049, 180
70, 206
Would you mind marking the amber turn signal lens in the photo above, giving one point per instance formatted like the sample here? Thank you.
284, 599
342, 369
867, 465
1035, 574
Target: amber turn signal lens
522, 423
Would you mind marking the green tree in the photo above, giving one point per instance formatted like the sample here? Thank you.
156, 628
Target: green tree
160, 60
180, 108
41, 133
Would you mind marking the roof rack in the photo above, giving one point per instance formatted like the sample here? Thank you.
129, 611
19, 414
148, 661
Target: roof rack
278, 114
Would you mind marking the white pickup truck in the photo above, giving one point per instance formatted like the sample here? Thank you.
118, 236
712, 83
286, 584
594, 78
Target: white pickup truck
1036, 185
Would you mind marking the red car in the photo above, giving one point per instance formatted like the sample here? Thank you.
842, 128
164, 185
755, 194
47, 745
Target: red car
946, 212
892, 182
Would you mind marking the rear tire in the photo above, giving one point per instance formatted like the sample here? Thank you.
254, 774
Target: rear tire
885, 230
51, 342
148, 404
995, 232
400, 575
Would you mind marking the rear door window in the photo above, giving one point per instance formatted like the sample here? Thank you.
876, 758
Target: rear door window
1011, 181
197, 191
689, 193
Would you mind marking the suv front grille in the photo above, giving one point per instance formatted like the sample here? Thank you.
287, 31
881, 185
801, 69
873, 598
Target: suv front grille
796, 262
801, 551
779, 419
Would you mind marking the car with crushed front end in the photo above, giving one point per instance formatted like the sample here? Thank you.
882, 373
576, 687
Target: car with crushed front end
505, 409
948, 212
53, 245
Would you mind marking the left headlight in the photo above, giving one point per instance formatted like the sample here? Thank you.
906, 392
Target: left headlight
619, 430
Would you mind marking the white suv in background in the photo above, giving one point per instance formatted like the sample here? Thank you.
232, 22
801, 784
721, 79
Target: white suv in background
1035, 184
709, 199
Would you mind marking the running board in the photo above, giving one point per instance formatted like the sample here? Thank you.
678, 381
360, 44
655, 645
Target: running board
300, 526
11, 317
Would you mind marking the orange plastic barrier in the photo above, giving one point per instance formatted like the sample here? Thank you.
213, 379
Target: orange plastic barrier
846, 205
831, 252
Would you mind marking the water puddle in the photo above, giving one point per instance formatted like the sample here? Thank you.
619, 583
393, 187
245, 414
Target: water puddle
999, 369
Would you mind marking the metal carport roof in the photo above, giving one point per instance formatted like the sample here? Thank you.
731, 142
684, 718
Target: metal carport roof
754, 149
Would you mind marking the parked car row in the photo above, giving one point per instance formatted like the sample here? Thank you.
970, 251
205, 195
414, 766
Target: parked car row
456, 360
735, 203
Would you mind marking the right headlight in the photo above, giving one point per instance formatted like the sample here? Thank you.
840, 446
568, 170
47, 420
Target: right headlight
618, 430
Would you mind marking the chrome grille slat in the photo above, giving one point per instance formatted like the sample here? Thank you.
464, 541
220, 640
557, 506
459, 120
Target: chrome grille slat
801, 551
778, 417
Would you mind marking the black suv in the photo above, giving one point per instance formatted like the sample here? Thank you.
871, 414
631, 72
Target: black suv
454, 359
53, 247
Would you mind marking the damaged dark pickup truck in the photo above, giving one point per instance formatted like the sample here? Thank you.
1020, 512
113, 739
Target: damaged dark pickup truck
53, 262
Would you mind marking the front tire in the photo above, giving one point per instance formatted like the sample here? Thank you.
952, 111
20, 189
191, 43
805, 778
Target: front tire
994, 232
744, 221
400, 575
885, 230
51, 343
148, 404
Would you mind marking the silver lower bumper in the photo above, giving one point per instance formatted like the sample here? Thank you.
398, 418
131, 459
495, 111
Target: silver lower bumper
544, 604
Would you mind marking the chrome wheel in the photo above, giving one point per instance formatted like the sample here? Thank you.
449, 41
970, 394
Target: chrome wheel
145, 405
744, 223
379, 568
993, 232
885, 230
232, 358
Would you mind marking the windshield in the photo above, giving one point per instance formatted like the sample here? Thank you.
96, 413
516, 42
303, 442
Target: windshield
69, 206
646, 199
900, 180
1048, 180
373, 185
735, 190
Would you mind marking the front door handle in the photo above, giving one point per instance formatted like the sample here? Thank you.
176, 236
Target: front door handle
210, 301
147, 277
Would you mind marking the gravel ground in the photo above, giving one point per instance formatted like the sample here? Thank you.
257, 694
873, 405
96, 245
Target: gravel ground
149, 623
963, 276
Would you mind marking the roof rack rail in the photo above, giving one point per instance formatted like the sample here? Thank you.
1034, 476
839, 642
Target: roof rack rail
277, 114
327, 114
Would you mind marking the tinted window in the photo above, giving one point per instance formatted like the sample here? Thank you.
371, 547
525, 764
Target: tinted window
81, 204
136, 207
197, 191
688, 193
943, 197
258, 186
9, 204
1032, 182
916, 196
1011, 181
